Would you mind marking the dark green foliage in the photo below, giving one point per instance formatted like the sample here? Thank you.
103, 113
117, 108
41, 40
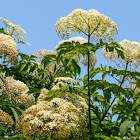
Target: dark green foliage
108, 100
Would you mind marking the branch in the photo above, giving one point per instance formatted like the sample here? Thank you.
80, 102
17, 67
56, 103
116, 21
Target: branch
95, 29
54, 76
114, 78
104, 115
79, 29
84, 20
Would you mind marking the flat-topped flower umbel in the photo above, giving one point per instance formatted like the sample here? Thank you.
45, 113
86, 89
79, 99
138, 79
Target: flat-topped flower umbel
91, 23
131, 52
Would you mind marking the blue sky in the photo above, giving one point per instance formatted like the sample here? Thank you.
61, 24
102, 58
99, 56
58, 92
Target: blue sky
38, 18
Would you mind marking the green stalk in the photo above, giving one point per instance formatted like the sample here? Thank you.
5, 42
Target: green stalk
89, 89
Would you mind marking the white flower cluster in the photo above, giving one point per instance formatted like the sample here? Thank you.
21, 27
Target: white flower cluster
57, 86
81, 40
82, 102
137, 90
14, 30
49, 115
89, 22
17, 91
63, 82
41, 53
8, 47
92, 60
5, 120
14, 86
79, 101
36, 121
62, 114
65, 79
131, 52
25, 99
43, 94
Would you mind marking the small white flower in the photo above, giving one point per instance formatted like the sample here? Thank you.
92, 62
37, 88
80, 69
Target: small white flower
36, 121
43, 94
65, 79
51, 125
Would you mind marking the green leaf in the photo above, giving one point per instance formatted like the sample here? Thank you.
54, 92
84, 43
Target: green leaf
110, 68
136, 103
22, 107
51, 95
102, 136
124, 127
115, 45
117, 138
17, 137
97, 112
134, 133
94, 71
17, 109
138, 127
15, 114
2, 31
85, 91
100, 98
103, 75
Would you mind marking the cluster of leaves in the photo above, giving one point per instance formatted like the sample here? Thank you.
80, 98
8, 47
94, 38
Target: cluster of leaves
126, 108
104, 108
